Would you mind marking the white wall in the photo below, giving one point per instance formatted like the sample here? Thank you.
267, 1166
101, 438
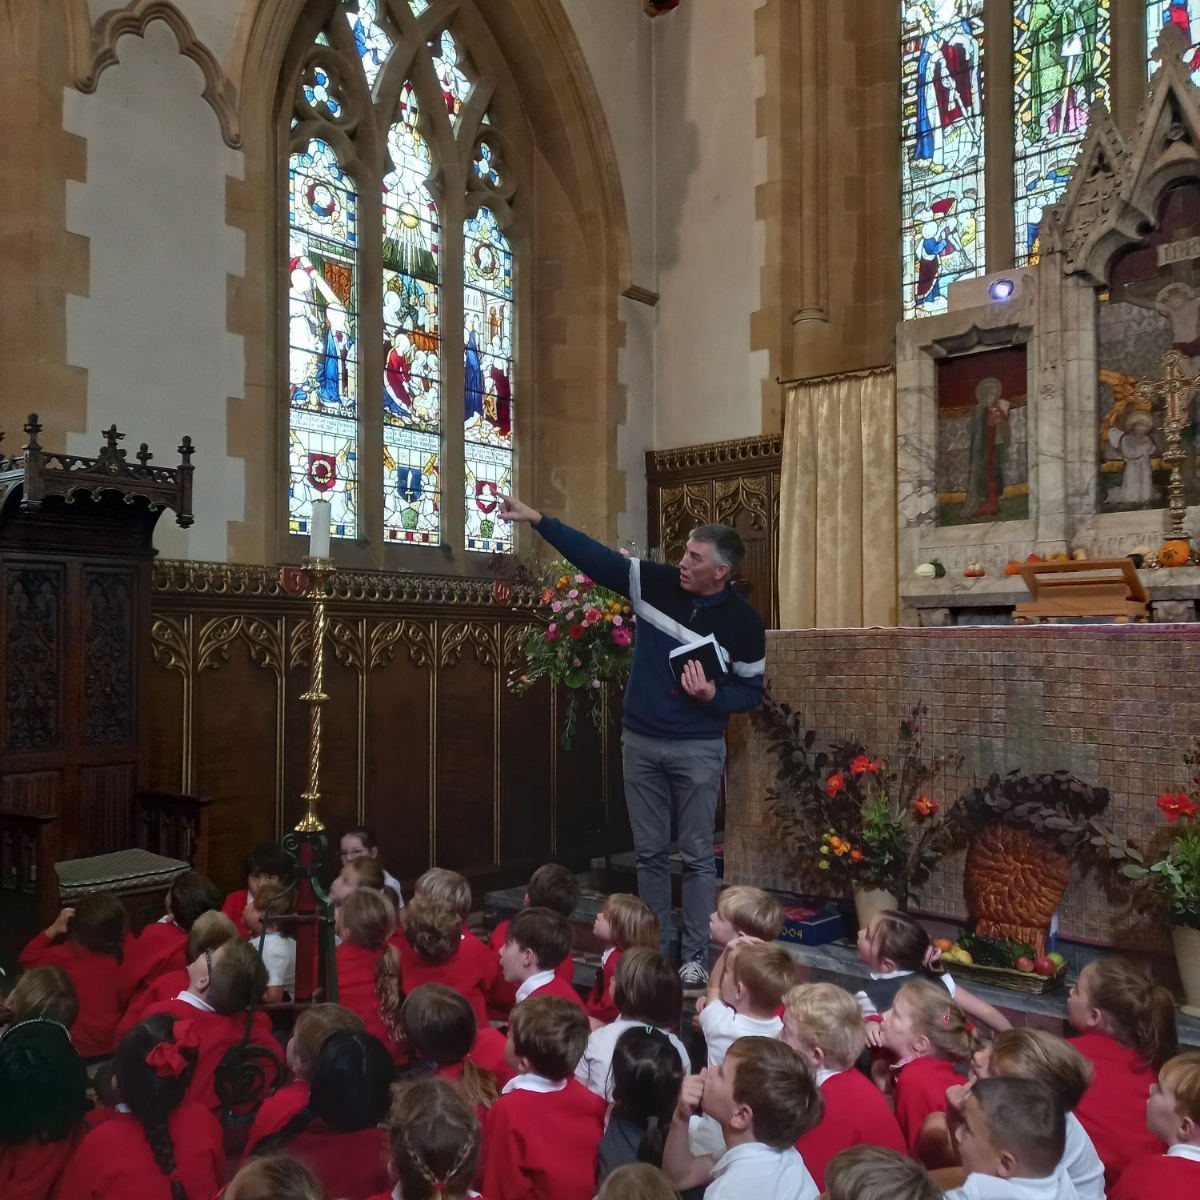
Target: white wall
151, 332
709, 245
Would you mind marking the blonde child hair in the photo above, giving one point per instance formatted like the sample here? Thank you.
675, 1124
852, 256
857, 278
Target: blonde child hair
368, 872
830, 1018
43, 992
765, 970
936, 1017
209, 930
877, 1173
368, 919
1181, 1077
632, 922
1137, 1012
751, 910
435, 1140
1036, 1054
636, 1181
275, 1177
313, 1026
432, 927
441, 884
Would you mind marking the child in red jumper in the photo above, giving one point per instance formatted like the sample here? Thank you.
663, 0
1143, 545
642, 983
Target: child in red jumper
368, 968
266, 863
823, 1024
43, 1086
434, 949
625, 921
160, 1145
338, 1133
538, 941
312, 1029
541, 1137
160, 947
222, 983
1172, 1114
1127, 1027
550, 886
209, 930
88, 942
924, 1033
42, 992
434, 1140
274, 1177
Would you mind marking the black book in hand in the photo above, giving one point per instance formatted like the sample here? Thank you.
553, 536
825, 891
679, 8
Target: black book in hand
707, 652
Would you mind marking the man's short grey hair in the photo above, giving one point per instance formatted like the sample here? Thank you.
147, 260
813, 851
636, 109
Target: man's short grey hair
727, 544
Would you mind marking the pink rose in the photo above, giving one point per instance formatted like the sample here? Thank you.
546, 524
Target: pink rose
580, 578
573, 594
552, 632
618, 620
621, 637
556, 606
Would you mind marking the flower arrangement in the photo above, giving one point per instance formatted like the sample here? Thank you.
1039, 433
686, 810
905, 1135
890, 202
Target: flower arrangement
1170, 886
853, 814
585, 645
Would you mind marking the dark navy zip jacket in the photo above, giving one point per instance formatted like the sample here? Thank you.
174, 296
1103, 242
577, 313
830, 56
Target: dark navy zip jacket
667, 617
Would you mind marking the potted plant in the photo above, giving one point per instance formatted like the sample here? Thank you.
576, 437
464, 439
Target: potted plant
1025, 831
1170, 886
867, 824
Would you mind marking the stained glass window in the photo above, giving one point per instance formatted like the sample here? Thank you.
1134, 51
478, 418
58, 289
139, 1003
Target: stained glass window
412, 335
322, 339
1185, 14
1061, 57
455, 84
371, 38
942, 94
487, 376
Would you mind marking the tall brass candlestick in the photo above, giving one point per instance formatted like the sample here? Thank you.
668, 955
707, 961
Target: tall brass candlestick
1176, 387
317, 572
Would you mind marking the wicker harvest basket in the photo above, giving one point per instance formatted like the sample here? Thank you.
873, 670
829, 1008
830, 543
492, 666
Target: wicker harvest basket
1007, 977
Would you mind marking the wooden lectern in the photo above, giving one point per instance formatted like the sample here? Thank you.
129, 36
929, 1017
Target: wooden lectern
1107, 587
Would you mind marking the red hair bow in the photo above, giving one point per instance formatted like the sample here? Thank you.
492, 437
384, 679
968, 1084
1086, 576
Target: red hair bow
167, 1058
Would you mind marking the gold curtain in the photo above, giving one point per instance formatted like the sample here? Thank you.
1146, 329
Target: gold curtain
837, 504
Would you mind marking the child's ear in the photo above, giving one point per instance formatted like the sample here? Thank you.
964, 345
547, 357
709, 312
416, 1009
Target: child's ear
1189, 1131
817, 1054
1006, 1164
887, 966
922, 1045
742, 1118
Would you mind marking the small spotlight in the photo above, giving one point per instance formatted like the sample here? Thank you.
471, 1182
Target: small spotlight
1001, 289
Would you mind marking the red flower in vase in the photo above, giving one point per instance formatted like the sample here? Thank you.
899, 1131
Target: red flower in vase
576, 632
1176, 806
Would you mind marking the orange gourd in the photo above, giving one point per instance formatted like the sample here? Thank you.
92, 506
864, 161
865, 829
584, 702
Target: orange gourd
1174, 553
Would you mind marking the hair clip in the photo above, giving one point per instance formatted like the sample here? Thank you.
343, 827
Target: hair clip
946, 1018
438, 1185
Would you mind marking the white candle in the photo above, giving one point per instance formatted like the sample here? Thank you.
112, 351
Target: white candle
318, 537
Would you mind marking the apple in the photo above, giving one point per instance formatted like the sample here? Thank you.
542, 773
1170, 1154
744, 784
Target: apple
1057, 959
1043, 966
943, 944
1024, 964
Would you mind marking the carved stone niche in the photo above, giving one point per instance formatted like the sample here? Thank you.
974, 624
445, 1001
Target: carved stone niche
1117, 284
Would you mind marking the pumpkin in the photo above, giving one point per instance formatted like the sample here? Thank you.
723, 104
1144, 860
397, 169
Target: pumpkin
1012, 568
1174, 553
1035, 558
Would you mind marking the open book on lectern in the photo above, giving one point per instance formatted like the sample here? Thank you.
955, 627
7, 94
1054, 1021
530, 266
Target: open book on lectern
708, 652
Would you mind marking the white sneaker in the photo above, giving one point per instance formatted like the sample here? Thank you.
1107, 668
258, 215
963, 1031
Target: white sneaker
693, 975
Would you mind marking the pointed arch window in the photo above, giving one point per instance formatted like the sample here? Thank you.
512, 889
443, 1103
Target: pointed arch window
401, 300
1185, 15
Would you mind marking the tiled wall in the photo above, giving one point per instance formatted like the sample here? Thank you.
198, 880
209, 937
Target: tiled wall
1117, 706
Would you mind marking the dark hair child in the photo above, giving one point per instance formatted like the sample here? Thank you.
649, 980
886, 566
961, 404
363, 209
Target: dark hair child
266, 863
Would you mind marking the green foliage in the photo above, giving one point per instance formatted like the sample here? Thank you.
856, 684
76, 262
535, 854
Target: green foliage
995, 952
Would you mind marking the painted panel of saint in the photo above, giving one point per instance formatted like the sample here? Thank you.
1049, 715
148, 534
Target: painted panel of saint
982, 458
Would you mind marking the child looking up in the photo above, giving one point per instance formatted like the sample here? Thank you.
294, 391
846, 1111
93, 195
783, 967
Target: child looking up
434, 1142
88, 942
551, 886
1173, 1115
1127, 1028
745, 990
278, 951
925, 1032
159, 947
266, 863
896, 948
648, 994
368, 969
763, 1097
356, 873
159, 1145
877, 1173
541, 1136
359, 843
434, 949
822, 1023
1011, 1143
623, 922
538, 941
43, 1096
746, 913
312, 1029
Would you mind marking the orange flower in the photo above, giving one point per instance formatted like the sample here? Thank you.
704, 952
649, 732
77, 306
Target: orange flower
835, 783
856, 856
925, 806
837, 843
563, 582
862, 764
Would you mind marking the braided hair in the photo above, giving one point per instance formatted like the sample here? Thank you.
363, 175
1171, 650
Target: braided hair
435, 1140
152, 1097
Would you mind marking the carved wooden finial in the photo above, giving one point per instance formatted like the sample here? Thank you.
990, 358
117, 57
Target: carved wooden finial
1171, 44
112, 436
185, 451
143, 454
33, 427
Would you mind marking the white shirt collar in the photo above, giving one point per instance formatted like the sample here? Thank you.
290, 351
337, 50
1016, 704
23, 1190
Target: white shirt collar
825, 1073
397, 1194
532, 984
876, 975
607, 955
195, 1002
122, 1108
750, 1151
533, 1083
1185, 1150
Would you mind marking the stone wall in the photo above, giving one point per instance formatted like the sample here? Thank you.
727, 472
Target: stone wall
1115, 706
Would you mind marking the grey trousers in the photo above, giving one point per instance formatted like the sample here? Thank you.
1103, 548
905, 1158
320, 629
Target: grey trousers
680, 776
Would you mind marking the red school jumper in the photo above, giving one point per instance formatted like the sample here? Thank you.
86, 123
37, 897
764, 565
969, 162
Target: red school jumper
600, 1002
503, 995
856, 1114
96, 980
488, 1053
166, 986
543, 1145
158, 948
556, 987
470, 971
920, 1090
1113, 1109
234, 906
356, 991
115, 1160
276, 1111
31, 1170
352, 1166
1158, 1177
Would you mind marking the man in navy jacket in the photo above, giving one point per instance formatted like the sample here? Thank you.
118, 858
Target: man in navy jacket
673, 742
